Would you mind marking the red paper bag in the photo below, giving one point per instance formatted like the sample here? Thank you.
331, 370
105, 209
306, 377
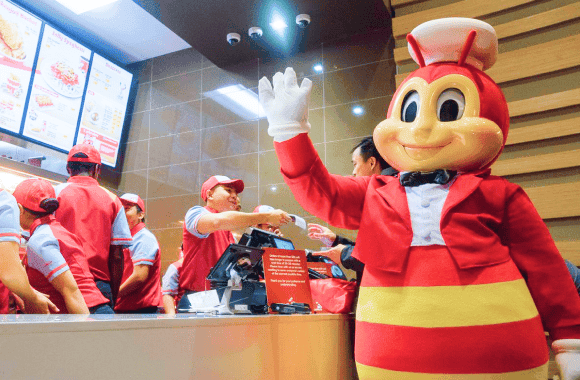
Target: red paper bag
333, 294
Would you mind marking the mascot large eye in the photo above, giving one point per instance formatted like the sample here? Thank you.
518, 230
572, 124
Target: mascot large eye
410, 108
450, 105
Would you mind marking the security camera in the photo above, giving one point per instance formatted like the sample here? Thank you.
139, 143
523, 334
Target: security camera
233, 38
255, 32
303, 20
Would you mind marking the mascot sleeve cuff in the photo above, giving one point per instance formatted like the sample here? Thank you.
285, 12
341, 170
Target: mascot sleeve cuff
571, 332
296, 155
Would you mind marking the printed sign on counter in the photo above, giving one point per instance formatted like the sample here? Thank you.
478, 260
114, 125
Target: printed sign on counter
286, 276
105, 107
57, 90
19, 33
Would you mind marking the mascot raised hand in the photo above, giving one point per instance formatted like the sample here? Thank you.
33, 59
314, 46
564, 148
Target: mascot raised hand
461, 275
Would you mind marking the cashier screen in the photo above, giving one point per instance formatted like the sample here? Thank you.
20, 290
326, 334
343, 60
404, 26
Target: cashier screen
283, 244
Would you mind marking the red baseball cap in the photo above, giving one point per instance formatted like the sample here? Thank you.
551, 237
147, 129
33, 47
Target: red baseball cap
263, 208
133, 200
84, 153
215, 180
31, 193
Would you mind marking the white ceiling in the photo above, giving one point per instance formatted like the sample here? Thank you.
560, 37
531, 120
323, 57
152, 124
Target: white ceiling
122, 31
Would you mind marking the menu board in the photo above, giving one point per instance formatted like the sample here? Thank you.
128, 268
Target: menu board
104, 109
57, 90
19, 34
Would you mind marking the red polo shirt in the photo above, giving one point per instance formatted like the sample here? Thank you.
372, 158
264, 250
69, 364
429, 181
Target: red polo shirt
96, 216
200, 252
143, 251
51, 251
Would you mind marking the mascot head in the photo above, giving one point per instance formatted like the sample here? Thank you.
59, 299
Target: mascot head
447, 114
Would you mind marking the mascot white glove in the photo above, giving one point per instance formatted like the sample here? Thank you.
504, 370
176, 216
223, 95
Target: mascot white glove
286, 105
568, 357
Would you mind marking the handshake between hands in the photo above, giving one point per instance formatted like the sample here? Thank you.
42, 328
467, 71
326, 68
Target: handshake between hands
285, 104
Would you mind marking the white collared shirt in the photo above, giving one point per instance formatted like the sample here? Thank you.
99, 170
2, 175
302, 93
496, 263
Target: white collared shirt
425, 206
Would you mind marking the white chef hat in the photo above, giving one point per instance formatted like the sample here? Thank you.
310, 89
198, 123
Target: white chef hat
444, 40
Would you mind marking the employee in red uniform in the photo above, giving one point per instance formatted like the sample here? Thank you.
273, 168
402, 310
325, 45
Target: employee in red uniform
54, 260
140, 292
12, 274
96, 216
207, 231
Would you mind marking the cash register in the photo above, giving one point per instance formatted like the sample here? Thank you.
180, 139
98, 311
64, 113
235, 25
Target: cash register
236, 286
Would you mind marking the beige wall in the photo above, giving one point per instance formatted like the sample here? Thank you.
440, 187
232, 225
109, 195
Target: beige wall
179, 137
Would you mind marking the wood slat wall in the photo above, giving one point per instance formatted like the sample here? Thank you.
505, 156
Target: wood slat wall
540, 59
539, 43
466, 8
517, 27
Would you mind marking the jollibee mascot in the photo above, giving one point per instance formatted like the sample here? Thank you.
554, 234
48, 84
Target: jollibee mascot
461, 276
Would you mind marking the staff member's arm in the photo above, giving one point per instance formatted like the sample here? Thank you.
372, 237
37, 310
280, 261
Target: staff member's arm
135, 280
144, 251
44, 256
232, 220
13, 276
12, 273
66, 285
120, 239
169, 304
170, 288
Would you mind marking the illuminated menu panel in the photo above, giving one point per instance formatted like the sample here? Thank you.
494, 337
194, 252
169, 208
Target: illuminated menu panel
19, 34
104, 109
57, 90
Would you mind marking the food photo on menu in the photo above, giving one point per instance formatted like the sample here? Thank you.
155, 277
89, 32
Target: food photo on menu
19, 34
57, 90
11, 42
55, 100
105, 107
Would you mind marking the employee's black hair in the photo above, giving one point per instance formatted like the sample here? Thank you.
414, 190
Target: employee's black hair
48, 204
79, 168
368, 150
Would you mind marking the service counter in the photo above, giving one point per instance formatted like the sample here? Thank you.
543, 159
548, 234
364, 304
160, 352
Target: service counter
188, 346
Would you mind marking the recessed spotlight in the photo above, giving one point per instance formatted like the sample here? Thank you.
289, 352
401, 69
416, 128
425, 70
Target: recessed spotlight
358, 110
273, 188
278, 24
318, 68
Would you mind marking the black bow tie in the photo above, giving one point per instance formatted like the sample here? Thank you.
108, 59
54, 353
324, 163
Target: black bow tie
440, 177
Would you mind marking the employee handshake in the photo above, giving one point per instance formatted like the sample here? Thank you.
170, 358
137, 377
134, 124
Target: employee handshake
286, 104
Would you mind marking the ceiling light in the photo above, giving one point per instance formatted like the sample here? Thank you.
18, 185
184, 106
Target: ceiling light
278, 24
10, 178
318, 68
238, 99
82, 6
273, 188
358, 110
